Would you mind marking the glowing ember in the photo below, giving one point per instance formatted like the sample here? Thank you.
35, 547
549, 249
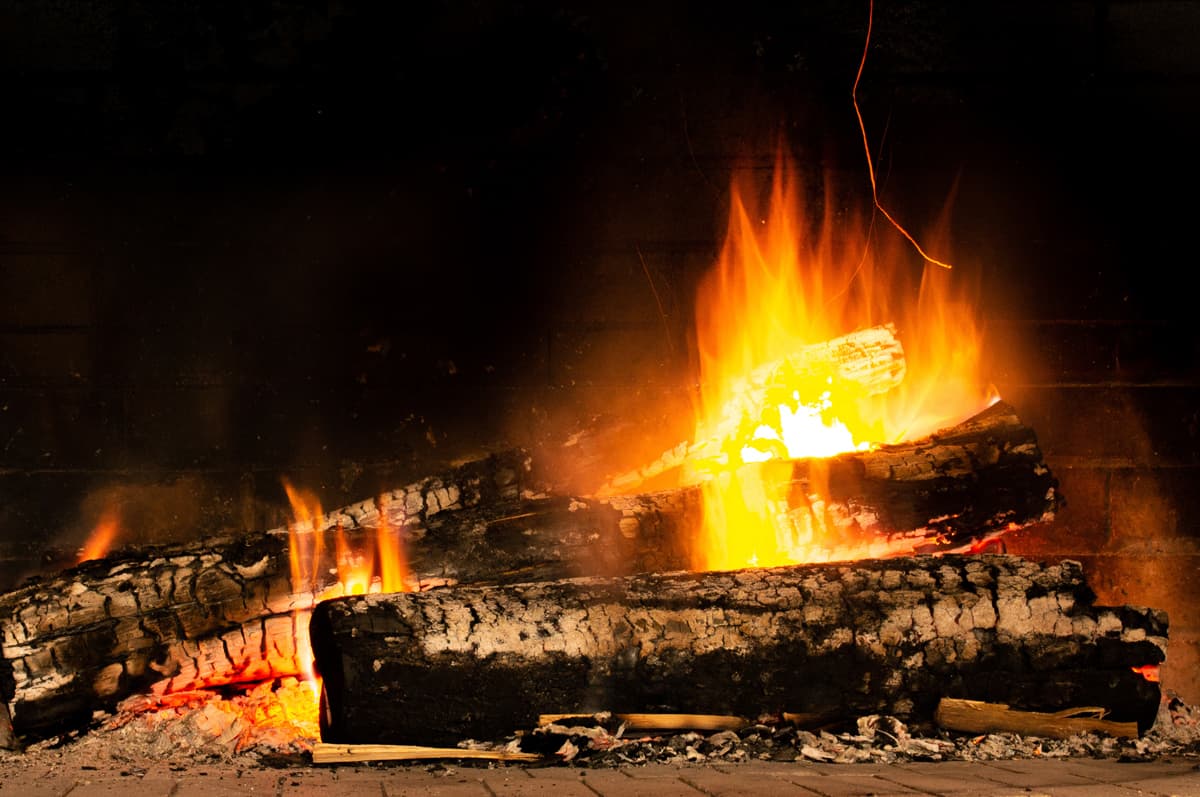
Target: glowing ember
102, 536
787, 280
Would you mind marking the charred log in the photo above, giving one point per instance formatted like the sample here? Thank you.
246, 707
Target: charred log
880, 636
950, 492
228, 611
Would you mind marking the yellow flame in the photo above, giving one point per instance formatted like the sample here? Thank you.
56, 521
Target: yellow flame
787, 279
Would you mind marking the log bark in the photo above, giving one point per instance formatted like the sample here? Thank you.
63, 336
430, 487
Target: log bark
880, 636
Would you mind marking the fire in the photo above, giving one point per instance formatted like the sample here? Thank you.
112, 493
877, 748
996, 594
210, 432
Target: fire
306, 540
1147, 671
101, 538
373, 561
788, 278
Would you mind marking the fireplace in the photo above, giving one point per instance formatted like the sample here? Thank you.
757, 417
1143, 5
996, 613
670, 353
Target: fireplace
352, 250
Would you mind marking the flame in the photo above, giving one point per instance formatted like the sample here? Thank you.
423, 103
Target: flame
393, 562
306, 539
375, 561
1147, 671
788, 278
101, 538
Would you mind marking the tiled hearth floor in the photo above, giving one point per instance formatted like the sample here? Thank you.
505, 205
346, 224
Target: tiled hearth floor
1076, 776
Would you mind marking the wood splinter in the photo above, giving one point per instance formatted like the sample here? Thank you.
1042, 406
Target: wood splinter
326, 753
659, 722
976, 716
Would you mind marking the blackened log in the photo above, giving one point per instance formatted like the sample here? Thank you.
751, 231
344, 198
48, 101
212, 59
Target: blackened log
950, 492
227, 611
879, 636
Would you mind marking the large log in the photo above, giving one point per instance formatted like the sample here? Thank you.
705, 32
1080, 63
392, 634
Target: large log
227, 610
952, 492
879, 636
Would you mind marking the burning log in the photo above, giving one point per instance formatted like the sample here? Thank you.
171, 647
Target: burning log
226, 611
880, 636
950, 492
870, 358
229, 611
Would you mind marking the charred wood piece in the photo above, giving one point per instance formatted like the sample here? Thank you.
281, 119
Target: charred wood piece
876, 637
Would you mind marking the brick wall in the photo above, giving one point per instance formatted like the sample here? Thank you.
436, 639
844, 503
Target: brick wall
349, 246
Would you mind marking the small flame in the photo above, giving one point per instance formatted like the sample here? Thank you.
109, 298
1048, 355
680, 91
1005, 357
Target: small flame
102, 536
373, 561
786, 280
393, 562
1147, 671
305, 548
306, 539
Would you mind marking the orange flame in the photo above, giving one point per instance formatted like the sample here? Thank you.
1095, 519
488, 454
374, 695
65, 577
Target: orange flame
101, 538
393, 562
1147, 671
785, 280
306, 539
372, 563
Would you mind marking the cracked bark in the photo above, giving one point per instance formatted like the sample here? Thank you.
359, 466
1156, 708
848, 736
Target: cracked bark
880, 636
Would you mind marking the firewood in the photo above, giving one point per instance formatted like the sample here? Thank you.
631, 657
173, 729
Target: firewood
949, 492
225, 611
875, 637
871, 358
325, 753
659, 722
975, 716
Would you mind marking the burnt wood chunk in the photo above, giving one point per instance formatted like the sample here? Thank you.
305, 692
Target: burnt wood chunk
879, 636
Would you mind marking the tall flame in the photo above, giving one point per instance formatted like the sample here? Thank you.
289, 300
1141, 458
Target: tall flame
788, 278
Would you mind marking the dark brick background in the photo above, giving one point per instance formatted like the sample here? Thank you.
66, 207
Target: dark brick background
350, 243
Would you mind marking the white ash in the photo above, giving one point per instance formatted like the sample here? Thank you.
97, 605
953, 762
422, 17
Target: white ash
261, 727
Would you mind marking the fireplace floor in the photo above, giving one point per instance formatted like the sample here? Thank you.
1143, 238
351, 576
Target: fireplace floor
82, 776
197, 748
